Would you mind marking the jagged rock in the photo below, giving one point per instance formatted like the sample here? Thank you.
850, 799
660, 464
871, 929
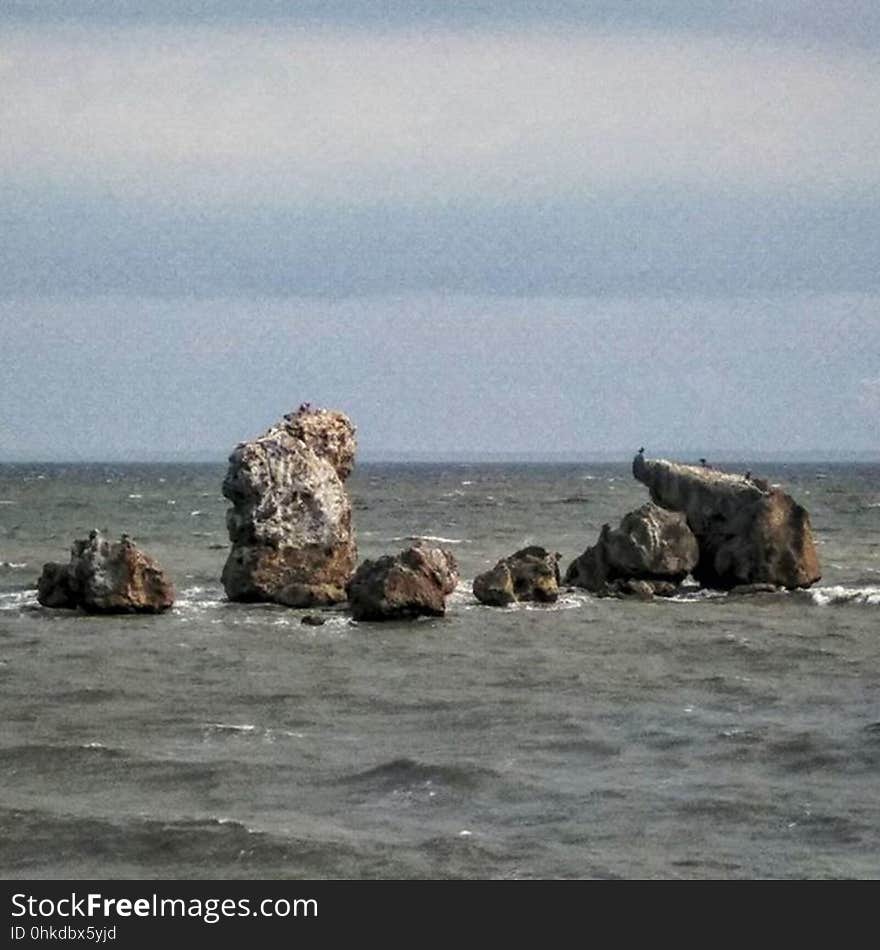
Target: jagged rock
290, 521
748, 532
413, 583
106, 577
55, 588
651, 545
529, 574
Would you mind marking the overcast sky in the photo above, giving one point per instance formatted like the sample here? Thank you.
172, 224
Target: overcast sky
486, 227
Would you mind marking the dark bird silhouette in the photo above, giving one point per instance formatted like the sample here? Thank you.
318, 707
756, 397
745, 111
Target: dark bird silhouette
642, 450
704, 463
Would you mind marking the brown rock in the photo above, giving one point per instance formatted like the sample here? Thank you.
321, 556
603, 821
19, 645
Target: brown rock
529, 574
106, 577
413, 583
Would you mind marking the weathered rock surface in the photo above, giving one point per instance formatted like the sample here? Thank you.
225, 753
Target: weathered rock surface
529, 574
290, 521
106, 577
413, 583
748, 532
652, 546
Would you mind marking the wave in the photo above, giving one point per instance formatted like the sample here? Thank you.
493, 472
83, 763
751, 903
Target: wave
13, 565
405, 772
832, 596
431, 537
229, 727
18, 599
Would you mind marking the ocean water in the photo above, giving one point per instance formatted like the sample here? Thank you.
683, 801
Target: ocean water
709, 736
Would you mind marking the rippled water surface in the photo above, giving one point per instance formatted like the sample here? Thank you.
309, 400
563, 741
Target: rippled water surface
711, 736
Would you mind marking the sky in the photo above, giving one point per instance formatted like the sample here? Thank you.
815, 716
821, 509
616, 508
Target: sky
521, 228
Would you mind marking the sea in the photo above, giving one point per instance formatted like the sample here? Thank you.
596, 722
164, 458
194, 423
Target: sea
706, 736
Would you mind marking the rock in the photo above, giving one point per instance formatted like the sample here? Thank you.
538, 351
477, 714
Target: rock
290, 521
106, 577
55, 588
642, 590
413, 583
746, 590
529, 574
312, 620
747, 531
651, 545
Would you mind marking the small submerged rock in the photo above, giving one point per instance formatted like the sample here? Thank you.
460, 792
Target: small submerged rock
106, 577
415, 582
313, 620
531, 574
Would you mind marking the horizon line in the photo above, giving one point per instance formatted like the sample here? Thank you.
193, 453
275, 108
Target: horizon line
573, 457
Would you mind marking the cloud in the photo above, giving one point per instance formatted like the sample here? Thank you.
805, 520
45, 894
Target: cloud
853, 22
246, 114
868, 397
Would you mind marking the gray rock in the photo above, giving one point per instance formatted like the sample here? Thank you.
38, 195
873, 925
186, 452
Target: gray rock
290, 520
651, 545
747, 531
312, 620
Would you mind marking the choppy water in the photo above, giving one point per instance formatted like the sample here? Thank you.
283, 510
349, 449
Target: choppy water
712, 736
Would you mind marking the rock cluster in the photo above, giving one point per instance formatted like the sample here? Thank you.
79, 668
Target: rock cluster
747, 531
529, 574
651, 552
415, 582
106, 577
290, 526
290, 520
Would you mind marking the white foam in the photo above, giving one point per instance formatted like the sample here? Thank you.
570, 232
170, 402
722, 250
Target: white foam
135, 496
696, 595
16, 599
13, 565
827, 596
230, 727
8, 503
195, 513
431, 537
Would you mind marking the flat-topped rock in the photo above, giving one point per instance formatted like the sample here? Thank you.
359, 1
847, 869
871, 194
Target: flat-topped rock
748, 532
415, 582
290, 520
106, 577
